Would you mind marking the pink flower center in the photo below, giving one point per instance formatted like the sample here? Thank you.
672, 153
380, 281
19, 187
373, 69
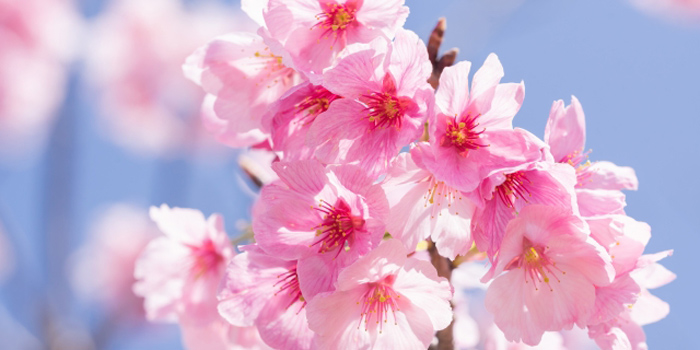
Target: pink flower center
288, 283
316, 103
537, 266
377, 301
440, 195
206, 258
513, 188
579, 160
462, 135
338, 226
335, 18
385, 109
276, 72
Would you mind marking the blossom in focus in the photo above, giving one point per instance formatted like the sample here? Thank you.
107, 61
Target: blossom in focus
38, 41
506, 193
599, 184
290, 118
546, 272
314, 32
422, 207
245, 77
103, 269
262, 290
134, 59
384, 300
471, 131
326, 217
385, 104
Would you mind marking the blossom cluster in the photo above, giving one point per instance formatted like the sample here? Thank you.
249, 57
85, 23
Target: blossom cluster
335, 91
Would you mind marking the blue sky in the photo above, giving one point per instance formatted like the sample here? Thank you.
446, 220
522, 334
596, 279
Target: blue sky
636, 76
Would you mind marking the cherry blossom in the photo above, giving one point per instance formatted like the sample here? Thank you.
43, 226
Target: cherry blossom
551, 268
385, 301
313, 32
423, 207
471, 132
326, 217
386, 99
246, 77
262, 290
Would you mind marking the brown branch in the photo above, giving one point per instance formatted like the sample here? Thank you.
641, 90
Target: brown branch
444, 269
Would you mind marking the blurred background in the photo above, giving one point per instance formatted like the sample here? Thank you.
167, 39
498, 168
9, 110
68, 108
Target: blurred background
97, 123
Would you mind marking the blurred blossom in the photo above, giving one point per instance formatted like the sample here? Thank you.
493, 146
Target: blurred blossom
103, 269
37, 40
7, 260
134, 59
674, 10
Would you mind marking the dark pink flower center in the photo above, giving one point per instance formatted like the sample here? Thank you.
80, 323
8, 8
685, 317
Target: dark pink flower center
385, 109
288, 283
536, 265
335, 18
338, 227
463, 135
514, 187
206, 258
316, 103
377, 302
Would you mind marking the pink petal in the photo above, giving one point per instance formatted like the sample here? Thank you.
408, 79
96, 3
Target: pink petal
600, 202
565, 132
420, 284
484, 84
608, 176
505, 105
452, 95
381, 262
409, 62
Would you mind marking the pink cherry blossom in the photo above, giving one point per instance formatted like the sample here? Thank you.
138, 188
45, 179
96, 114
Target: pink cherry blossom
506, 193
551, 270
326, 217
103, 269
246, 77
313, 32
290, 118
262, 290
146, 104
386, 100
178, 274
383, 301
38, 41
422, 207
625, 330
566, 135
471, 132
